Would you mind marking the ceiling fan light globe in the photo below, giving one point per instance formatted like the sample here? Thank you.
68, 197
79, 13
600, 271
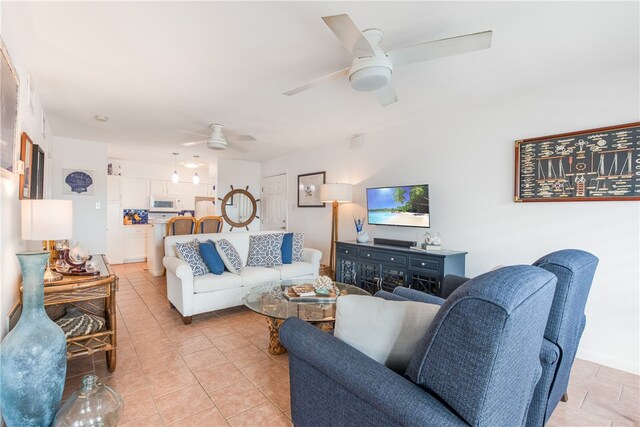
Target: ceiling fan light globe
370, 78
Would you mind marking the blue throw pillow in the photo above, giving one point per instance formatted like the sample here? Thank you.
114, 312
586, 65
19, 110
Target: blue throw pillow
287, 248
211, 257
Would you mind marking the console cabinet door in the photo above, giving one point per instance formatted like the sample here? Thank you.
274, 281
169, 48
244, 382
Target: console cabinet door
392, 275
424, 280
369, 276
347, 271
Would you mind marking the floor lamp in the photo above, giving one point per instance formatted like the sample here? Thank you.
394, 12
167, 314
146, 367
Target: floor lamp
47, 220
335, 193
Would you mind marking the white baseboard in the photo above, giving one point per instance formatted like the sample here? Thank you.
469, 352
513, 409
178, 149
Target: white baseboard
610, 362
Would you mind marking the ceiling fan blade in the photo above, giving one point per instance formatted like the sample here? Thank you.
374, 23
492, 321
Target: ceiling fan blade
191, 143
386, 95
441, 48
196, 133
338, 74
244, 138
237, 147
349, 35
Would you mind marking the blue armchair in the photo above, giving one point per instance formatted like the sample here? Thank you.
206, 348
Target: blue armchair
478, 364
575, 270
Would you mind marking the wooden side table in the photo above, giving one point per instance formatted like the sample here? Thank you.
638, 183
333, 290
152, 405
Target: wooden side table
93, 295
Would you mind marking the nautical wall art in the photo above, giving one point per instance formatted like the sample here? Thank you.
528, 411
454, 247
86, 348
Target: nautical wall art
594, 164
78, 181
309, 189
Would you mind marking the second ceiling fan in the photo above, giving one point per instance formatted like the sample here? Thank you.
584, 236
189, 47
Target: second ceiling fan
371, 67
217, 140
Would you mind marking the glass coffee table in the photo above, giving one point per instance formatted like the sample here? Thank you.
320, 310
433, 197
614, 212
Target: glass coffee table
268, 299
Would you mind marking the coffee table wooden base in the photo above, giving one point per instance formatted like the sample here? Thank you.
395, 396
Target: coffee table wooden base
275, 346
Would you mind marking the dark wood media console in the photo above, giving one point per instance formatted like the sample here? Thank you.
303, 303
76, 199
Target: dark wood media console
383, 267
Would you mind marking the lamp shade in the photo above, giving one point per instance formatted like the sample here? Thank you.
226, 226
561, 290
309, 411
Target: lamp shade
47, 219
341, 193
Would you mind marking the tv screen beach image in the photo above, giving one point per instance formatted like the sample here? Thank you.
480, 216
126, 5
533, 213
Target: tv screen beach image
405, 206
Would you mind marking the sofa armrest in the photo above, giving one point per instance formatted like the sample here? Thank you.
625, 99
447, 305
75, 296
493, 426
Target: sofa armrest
312, 256
414, 295
359, 376
177, 266
179, 284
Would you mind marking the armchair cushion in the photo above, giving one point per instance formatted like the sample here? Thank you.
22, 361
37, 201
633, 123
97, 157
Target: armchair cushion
386, 331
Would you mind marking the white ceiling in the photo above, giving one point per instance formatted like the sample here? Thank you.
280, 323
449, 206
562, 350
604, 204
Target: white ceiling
156, 68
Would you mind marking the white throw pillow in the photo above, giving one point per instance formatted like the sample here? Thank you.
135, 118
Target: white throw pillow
387, 331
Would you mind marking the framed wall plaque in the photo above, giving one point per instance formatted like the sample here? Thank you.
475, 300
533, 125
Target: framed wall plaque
589, 165
37, 173
309, 189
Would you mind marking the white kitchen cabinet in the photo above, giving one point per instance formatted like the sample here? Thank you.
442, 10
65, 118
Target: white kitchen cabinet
205, 190
114, 188
135, 243
187, 199
135, 193
164, 188
158, 188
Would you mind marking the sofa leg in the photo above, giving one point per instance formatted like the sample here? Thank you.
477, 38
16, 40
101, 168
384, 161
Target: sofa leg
186, 320
565, 397
171, 305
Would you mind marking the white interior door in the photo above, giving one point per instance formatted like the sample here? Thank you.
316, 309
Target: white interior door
273, 202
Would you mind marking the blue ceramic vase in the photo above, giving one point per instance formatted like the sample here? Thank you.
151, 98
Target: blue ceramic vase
33, 361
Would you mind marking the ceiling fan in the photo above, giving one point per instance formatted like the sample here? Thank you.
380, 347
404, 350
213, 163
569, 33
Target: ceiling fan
216, 140
371, 67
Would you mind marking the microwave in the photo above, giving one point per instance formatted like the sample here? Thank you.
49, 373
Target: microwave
163, 204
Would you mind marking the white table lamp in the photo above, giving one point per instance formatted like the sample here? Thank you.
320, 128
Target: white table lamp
335, 193
47, 220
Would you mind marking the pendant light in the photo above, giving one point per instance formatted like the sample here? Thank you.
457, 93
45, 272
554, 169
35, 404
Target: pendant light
196, 178
175, 178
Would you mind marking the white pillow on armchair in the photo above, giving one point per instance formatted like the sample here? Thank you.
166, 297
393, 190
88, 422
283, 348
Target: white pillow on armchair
386, 331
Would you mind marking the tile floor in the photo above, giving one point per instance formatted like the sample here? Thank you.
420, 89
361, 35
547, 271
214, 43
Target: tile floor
217, 372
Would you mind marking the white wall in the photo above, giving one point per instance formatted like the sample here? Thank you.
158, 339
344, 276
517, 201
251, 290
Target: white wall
239, 174
466, 154
89, 222
10, 241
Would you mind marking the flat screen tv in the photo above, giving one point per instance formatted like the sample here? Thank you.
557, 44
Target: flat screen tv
406, 206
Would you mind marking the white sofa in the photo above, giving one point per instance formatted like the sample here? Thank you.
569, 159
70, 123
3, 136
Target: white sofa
200, 294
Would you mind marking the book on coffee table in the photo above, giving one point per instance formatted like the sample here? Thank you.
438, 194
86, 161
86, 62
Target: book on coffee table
306, 293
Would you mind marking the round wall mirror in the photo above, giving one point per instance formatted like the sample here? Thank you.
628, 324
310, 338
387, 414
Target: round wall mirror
239, 208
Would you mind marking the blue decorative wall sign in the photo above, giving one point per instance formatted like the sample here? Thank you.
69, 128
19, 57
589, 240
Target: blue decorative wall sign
78, 181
